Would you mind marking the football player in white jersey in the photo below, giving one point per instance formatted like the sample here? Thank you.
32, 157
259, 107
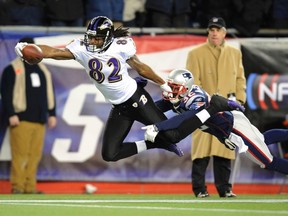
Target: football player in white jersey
233, 128
103, 53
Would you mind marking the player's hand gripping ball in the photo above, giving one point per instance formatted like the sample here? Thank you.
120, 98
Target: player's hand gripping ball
32, 54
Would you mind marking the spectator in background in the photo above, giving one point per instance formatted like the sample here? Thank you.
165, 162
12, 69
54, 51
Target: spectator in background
65, 12
27, 99
23, 12
280, 14
217, 68
248, 16
211, 8
168, 13
5, 18
113, 9
134, 13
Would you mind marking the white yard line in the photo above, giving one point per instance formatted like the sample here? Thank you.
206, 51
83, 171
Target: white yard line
280, 212
151, 201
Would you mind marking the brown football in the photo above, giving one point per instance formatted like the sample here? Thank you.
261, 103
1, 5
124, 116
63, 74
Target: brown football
32, 54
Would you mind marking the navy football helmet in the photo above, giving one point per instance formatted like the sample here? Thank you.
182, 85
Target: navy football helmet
181, 82
100, 26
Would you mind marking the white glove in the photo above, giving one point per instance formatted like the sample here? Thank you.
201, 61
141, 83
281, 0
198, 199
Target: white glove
150, 133
166, 90
19, 47
229, 144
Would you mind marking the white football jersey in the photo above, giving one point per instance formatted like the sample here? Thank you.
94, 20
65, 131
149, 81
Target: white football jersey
108, 70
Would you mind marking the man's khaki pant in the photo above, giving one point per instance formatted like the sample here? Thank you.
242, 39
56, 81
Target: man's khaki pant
26, 140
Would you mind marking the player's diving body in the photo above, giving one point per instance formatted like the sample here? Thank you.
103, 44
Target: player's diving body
232, 128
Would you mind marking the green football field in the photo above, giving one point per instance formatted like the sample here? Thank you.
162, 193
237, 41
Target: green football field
141, 205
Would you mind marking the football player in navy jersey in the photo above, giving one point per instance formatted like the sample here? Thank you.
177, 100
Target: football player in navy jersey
232, 128
105, 53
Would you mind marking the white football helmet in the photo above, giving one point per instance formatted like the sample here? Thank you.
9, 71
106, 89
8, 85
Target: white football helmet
180, 81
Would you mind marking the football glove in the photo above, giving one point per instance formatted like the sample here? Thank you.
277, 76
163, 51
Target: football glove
19, 47
166, 90
150, 133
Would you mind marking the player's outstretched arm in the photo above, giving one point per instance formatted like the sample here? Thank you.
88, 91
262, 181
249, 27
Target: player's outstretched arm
56, 53
47, 51
146, 71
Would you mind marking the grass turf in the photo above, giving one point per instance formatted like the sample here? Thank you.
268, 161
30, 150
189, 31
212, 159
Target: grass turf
141, 205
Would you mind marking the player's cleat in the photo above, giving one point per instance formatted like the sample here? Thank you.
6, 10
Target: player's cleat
220, 103
174, 148
235, 106
169, 147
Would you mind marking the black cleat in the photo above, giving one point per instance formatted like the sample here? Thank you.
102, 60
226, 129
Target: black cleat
172, 148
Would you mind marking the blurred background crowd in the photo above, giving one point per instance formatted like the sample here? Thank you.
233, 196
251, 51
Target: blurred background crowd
246, 16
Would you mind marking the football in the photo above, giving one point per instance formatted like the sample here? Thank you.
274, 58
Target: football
32, 54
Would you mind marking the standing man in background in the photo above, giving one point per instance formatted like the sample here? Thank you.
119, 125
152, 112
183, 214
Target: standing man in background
28, 102
217, 67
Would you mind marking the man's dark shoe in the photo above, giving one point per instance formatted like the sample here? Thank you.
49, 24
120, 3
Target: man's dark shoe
34, 192
204, 194
228, 194
16, 191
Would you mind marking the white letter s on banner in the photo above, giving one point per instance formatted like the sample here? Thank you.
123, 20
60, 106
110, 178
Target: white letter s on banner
92, 126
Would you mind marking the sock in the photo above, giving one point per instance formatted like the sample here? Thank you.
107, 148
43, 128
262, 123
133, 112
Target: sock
141, 146
203, 115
